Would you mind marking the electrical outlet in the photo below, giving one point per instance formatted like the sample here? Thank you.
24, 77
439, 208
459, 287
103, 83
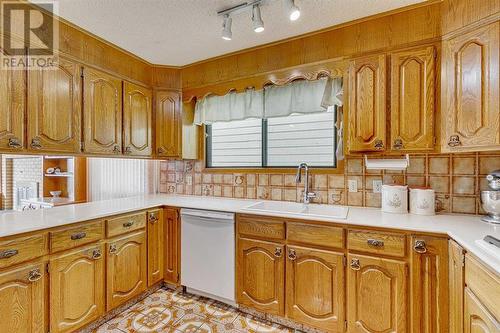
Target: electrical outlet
377, 186
352, 185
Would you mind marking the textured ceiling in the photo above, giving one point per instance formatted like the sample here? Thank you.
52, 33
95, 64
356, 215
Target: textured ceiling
180, 32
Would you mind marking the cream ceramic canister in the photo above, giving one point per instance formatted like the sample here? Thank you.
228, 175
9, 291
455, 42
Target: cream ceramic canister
395, 199
422, 201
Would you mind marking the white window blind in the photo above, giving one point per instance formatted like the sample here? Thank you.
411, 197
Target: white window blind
111, 178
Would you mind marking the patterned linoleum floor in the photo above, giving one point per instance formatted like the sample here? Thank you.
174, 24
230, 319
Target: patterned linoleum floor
173, 311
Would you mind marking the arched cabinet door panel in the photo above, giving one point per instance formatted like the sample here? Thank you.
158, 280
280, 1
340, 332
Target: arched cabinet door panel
477, 319
171, 236
168, 122
137, 113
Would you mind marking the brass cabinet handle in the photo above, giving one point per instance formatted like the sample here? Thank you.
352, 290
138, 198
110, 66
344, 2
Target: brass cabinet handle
292, 255
128, 224
8, 253
161, 150
375, 242
14, 143
454, 141
355, 265
378, 144
34, 275
35, 144
153, 218
112, 248
277, 252
398, 144
128, 150
96, 254
116, 149
420, 246
78, 235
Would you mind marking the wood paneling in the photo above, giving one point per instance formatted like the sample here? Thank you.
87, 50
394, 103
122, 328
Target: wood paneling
471, 94
76, 288
429, 286
23, 299
477, 319
389, 244
412, 99
457, 14
102, 113
21, 249
377, 298
172, 229
260, 275
168, 123
155, 246
367, 104
137, 120
315, 288
456, 287
126, 269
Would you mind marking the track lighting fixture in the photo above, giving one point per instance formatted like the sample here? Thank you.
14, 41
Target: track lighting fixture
258, 24
293, 10
227, 34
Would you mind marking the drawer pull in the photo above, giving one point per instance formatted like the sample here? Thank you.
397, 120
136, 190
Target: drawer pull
8, 253
375, 242
14, 143
34, 275
378, 144
112, 249
398, 144
96, 254
128, 150
153, 218
278, 252
355, 265
292, 255
161, 150
128, 224
420, 246
78, 236
116, 149
35, 144
454, 141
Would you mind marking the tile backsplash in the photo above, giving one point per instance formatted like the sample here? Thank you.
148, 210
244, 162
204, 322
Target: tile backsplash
456, 178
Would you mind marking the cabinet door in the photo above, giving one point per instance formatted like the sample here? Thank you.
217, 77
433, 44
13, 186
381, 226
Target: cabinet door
315, 288
137, 111
168, 123
76, 288
477, 319
12, 109
155, 246
126, 268
23, 302
54, 108
456, 287
376, 294
260, 271
412, 99
102, 109
471, 92
172, 245
367, 106
429, 284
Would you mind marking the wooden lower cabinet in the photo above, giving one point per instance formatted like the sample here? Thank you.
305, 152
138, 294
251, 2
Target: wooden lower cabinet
126, 274
377, 298
155, 246
171, 259
456, 260
76, 288
315, 288
477, 319
22, 299
261, 275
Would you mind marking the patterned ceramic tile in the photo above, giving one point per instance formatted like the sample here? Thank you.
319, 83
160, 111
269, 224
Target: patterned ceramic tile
253, 325
189, 323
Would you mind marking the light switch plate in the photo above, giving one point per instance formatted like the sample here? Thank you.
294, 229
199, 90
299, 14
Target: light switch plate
352, 185
377, 186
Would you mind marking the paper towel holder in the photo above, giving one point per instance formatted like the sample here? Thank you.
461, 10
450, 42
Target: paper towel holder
387, 163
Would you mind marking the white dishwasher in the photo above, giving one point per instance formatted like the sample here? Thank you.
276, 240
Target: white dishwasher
207, 253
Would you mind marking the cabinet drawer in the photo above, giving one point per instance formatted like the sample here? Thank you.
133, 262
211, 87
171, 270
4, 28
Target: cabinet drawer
260, 226
125, 223
22, 249
72, 237
315, 234
484, 284
376, 242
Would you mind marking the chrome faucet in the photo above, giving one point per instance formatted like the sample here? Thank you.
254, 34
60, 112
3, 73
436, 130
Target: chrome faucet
307, 195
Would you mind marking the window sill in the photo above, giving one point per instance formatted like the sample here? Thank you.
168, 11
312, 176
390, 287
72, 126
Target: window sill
312, 170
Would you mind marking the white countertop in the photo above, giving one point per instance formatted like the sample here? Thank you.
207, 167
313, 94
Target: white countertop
465, 229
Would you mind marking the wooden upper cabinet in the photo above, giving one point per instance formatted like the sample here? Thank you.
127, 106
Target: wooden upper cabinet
412, 99
315, 288
12, 109
477, 319
155, 246
376, 295
456, 287
76, 288
429, 284
172, 227
137, 113
367, 105
260, 280
22, 299
102, 110
470, 116
168, 123
54, 108
126, 268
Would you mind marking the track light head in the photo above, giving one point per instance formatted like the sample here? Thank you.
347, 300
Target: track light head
258, 24
227, 34
293, 10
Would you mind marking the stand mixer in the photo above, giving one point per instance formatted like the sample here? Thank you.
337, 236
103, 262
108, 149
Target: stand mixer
491, 199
